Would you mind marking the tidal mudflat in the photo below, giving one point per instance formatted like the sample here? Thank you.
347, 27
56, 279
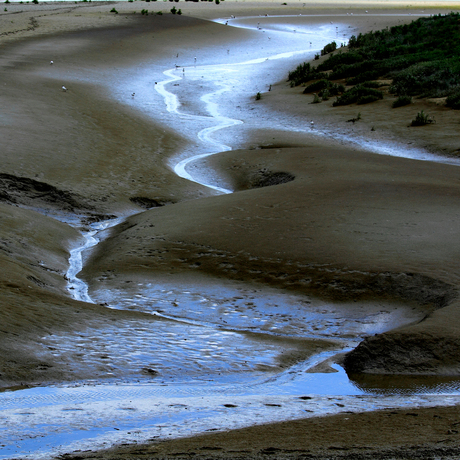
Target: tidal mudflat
224, 252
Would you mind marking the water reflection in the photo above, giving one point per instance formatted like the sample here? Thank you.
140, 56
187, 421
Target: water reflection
405, 384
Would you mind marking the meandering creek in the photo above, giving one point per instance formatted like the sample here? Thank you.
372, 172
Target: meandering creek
216, 345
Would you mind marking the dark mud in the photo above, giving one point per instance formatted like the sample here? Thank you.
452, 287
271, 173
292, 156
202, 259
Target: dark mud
149, 203
48, 199
416, 353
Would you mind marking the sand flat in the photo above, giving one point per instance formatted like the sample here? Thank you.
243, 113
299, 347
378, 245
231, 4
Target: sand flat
350, 225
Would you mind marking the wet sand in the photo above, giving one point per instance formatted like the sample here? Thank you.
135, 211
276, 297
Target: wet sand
313, 214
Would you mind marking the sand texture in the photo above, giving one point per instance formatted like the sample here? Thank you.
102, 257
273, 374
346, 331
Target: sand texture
315, 211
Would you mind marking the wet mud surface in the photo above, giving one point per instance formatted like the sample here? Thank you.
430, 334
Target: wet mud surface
205, 314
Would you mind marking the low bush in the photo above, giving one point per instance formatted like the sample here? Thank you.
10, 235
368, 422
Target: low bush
329, 48
333, 89
304, 73
316, 86
422, 119
453, 101
316, 99
402, 101
359, 94
367, 99
364, 77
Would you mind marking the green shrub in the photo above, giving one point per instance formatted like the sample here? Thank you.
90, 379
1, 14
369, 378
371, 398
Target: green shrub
364, 78
325, 95
358, 93
453, 101
316, 86
113, 10
434, 78
333, 89
304, 73
367, 99
422, 58
329, 48
401, 101
422, 119
316, 99
371, 84
173, 10
258, 97
336, 60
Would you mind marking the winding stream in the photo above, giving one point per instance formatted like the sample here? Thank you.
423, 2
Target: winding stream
228, 378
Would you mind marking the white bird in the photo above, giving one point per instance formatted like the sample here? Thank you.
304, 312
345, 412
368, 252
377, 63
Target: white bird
64, 88
133, 94
51, 62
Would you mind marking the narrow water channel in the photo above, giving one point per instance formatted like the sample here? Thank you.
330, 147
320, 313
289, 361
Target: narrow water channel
218, 348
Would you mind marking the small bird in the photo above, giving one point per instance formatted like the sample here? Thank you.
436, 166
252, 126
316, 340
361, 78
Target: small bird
132, 95
64, 88
51, 62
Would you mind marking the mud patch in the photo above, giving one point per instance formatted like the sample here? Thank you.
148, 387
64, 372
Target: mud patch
148, 203
402, 353
28, 192
264, 178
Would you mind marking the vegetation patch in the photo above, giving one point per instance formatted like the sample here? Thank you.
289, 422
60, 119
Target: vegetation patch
422, 119
359, 94
421, 59
402, 101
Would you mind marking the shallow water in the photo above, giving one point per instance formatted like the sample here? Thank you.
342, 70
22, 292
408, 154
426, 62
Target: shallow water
216, 355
